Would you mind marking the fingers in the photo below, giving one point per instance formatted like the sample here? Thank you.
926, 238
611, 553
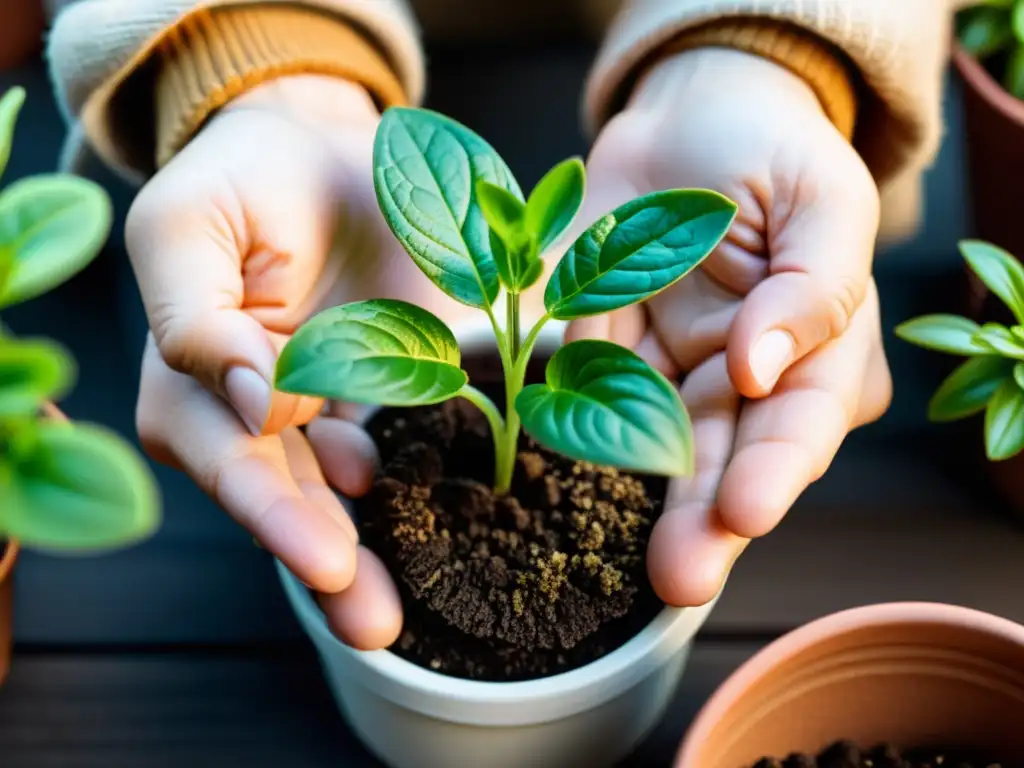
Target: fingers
346, 453
207, 259
819, 273
786, 442
690, 549
367, 615
272, 486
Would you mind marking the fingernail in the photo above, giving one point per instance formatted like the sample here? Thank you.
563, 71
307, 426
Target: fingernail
770, 356
249, 393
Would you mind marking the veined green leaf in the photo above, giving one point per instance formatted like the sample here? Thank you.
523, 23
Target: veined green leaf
54, 226
514, 249
968, 389
32, 372
999, 271
10, 107
555, 201
984, 31
636, 251
426, 170
380, 352
1004, 422
1018, 374
942, 333
81, 488
602, 403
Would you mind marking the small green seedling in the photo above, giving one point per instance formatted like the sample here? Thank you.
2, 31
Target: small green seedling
993, 31
992, 379
458, 211
63, 487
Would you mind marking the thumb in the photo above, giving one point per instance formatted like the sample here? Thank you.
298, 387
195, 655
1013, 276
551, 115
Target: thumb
818, 276
189, 272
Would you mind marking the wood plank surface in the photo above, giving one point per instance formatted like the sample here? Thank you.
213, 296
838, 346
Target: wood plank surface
199, 710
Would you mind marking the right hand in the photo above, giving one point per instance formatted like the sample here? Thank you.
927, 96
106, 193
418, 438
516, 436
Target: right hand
266, 217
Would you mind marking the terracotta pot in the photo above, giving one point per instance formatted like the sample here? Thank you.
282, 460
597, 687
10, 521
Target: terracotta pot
411, 717
994, 124
21, 34
911, 674
8, 556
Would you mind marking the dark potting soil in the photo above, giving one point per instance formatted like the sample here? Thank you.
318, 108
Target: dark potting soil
845, 754
543, 580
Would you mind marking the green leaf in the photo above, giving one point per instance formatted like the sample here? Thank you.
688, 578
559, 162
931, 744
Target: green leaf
10, 106
1018, 374
426, 170
81, 488
968, 389
998, 270
1013, 77
555, 201
636, 251
1017, 22
984, 31
54, 226
513, 247
380, 352
602, 403
997, 338
32, 372
1004, 422
942, 333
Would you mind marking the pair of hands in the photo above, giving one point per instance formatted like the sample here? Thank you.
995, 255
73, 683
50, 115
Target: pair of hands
269, 215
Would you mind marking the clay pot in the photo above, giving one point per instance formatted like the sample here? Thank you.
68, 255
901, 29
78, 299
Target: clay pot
8, 556
21, 34
411, 717
994, 125
911, 674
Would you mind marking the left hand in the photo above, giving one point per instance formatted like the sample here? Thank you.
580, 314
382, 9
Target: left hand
778, 331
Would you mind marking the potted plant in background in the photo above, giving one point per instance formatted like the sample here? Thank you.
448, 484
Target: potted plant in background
66, 488
991, 380
531, 636
899, 685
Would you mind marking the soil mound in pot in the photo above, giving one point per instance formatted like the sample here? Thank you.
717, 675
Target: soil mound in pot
844, 754
538, 582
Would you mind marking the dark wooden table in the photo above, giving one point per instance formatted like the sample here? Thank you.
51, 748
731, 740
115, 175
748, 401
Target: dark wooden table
183, 652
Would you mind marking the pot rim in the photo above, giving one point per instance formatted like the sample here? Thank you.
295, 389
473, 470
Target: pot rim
987, 86
518, 703
822, 630
10, 554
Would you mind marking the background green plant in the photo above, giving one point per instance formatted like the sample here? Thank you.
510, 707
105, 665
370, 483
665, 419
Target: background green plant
458, 211
993, 32
63, 486
992, 379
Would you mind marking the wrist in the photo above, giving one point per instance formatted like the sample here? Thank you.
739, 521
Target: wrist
318, 99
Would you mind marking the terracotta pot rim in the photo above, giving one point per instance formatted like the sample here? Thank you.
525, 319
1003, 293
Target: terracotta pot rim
10, 549
975, 75
829, 627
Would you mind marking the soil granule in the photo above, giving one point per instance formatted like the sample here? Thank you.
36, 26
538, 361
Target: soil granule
543, 580
845, 754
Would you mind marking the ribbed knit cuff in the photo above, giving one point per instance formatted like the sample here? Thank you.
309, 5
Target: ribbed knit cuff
214, 57
802, 53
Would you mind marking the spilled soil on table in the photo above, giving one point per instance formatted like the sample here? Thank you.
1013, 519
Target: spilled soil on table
543, 580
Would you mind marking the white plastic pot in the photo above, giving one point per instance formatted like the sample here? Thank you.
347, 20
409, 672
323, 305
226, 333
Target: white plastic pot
411, 717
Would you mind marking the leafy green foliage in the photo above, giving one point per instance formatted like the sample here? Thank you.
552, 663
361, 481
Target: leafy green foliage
52, 227
455, 207
10, 106
63, 487
636, 251
993, 32
380, 351
602, 403
426, 170
992, 379
32, 372
1004, 422
79, 487
554, 202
